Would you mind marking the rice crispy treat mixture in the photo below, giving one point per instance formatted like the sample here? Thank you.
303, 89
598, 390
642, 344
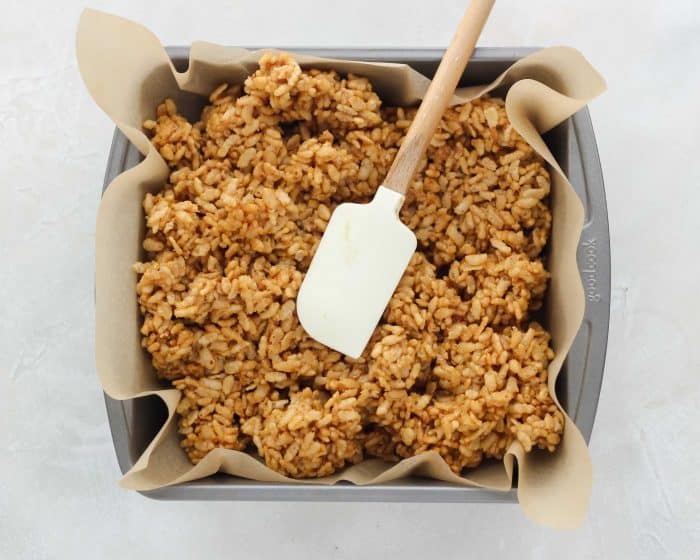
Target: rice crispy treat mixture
456, 366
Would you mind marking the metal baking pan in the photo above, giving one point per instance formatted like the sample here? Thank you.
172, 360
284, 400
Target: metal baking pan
134, 422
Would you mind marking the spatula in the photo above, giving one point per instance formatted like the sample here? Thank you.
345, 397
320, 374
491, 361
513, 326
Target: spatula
365, 248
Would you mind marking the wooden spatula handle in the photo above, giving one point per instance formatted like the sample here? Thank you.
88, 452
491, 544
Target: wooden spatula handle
438, 96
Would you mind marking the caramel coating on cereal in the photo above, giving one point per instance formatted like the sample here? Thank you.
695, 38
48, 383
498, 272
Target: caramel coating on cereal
457, 365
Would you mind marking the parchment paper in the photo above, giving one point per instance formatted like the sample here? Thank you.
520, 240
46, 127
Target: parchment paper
128, 73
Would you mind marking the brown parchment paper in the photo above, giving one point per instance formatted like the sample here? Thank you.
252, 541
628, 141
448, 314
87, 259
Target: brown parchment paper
128, 73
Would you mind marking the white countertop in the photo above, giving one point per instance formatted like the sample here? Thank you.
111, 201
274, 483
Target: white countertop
58, 472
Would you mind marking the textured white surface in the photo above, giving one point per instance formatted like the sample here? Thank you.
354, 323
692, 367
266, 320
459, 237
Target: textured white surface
58, 493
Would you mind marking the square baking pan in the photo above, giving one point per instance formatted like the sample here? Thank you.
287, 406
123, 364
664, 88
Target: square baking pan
135, 422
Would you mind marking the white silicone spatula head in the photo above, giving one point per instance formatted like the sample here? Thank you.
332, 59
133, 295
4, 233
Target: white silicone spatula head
365, 248
356, 268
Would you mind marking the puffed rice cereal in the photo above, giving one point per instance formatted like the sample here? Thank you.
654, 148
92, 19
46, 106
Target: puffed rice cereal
457, 364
